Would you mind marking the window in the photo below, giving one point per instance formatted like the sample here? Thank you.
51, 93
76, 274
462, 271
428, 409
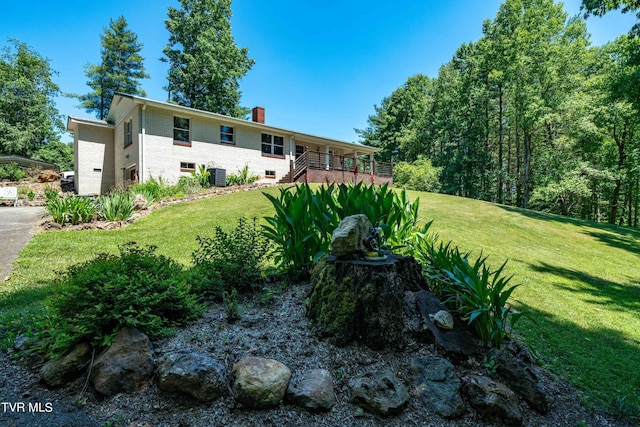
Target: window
272, 145
187, 167
181, 130
226, 135
128, 132
270, 174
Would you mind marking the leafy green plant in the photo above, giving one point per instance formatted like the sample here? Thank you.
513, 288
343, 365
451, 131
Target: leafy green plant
11, 172
305, 219
118, 206
242, 177
71, 209
188, 185
229, 260
31, 195
138, 288
202, 175
230, 299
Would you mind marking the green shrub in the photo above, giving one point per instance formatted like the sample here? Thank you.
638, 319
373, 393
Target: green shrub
304, 221
152, 189
187, 185
419, 175
138, 288
243, 177
229, 261
118, 206
11, 172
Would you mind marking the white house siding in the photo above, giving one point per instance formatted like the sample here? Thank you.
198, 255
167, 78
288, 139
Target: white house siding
95, 170
162, 157
129, 157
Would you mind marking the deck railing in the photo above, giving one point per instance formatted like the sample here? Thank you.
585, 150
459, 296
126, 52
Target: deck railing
320, 161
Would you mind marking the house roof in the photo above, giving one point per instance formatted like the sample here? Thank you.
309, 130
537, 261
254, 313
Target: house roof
300, 136
73, 120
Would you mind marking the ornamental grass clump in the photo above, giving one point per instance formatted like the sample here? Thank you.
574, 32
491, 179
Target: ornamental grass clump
71, 209
118, 206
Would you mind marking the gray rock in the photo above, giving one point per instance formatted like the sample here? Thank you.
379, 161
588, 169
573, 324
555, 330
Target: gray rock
492, 400
312, 390
126, 365
197, 374
139, 202
521, 379
457, 343
381, 393
260, 383
58, 371
438, 386
348, 238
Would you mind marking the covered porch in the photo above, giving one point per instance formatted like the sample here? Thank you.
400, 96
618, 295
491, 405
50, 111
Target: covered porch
335, 163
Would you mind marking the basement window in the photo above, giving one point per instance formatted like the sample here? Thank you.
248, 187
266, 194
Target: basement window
270, 174
187, 167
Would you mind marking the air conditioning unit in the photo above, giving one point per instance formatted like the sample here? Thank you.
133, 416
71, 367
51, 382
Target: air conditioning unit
217, 177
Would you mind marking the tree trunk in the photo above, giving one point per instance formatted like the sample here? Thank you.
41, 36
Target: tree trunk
527, 170
500, 142
359, 300
615, 200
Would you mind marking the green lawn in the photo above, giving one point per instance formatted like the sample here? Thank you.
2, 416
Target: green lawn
580, 281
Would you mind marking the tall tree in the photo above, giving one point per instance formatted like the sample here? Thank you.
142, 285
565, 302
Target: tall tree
205, 65
396, 127
120, 70
28, 115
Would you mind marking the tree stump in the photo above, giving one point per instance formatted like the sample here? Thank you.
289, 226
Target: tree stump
361, 300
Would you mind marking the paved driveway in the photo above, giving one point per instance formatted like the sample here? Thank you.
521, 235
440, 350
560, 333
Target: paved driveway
17, 225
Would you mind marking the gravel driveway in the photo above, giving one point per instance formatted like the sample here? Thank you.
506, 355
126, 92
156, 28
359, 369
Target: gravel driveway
17, 225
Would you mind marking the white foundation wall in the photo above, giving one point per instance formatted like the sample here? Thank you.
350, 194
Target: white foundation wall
95, 160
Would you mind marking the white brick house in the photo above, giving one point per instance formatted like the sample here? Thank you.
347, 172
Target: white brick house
143, 138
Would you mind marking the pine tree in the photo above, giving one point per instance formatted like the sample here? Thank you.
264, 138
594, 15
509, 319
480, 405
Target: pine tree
205, 65
120, 70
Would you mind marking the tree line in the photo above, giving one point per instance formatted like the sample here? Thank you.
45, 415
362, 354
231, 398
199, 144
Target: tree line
205, 67
530, 115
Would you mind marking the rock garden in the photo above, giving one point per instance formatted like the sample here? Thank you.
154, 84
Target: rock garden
351, 331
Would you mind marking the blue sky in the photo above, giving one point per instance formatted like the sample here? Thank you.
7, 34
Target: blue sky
321, 66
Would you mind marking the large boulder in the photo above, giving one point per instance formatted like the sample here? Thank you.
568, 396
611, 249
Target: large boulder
260, 383
67, 367
312, 390
126, 365
381, 393
438, 386
492, 400
348, 238
193, 373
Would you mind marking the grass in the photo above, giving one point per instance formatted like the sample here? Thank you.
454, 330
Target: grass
580, 280
580, 283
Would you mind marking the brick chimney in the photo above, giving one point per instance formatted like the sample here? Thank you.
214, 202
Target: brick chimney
257, 114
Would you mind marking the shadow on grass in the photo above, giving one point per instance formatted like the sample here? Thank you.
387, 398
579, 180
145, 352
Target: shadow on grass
616, 236
620, 296
603, 363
